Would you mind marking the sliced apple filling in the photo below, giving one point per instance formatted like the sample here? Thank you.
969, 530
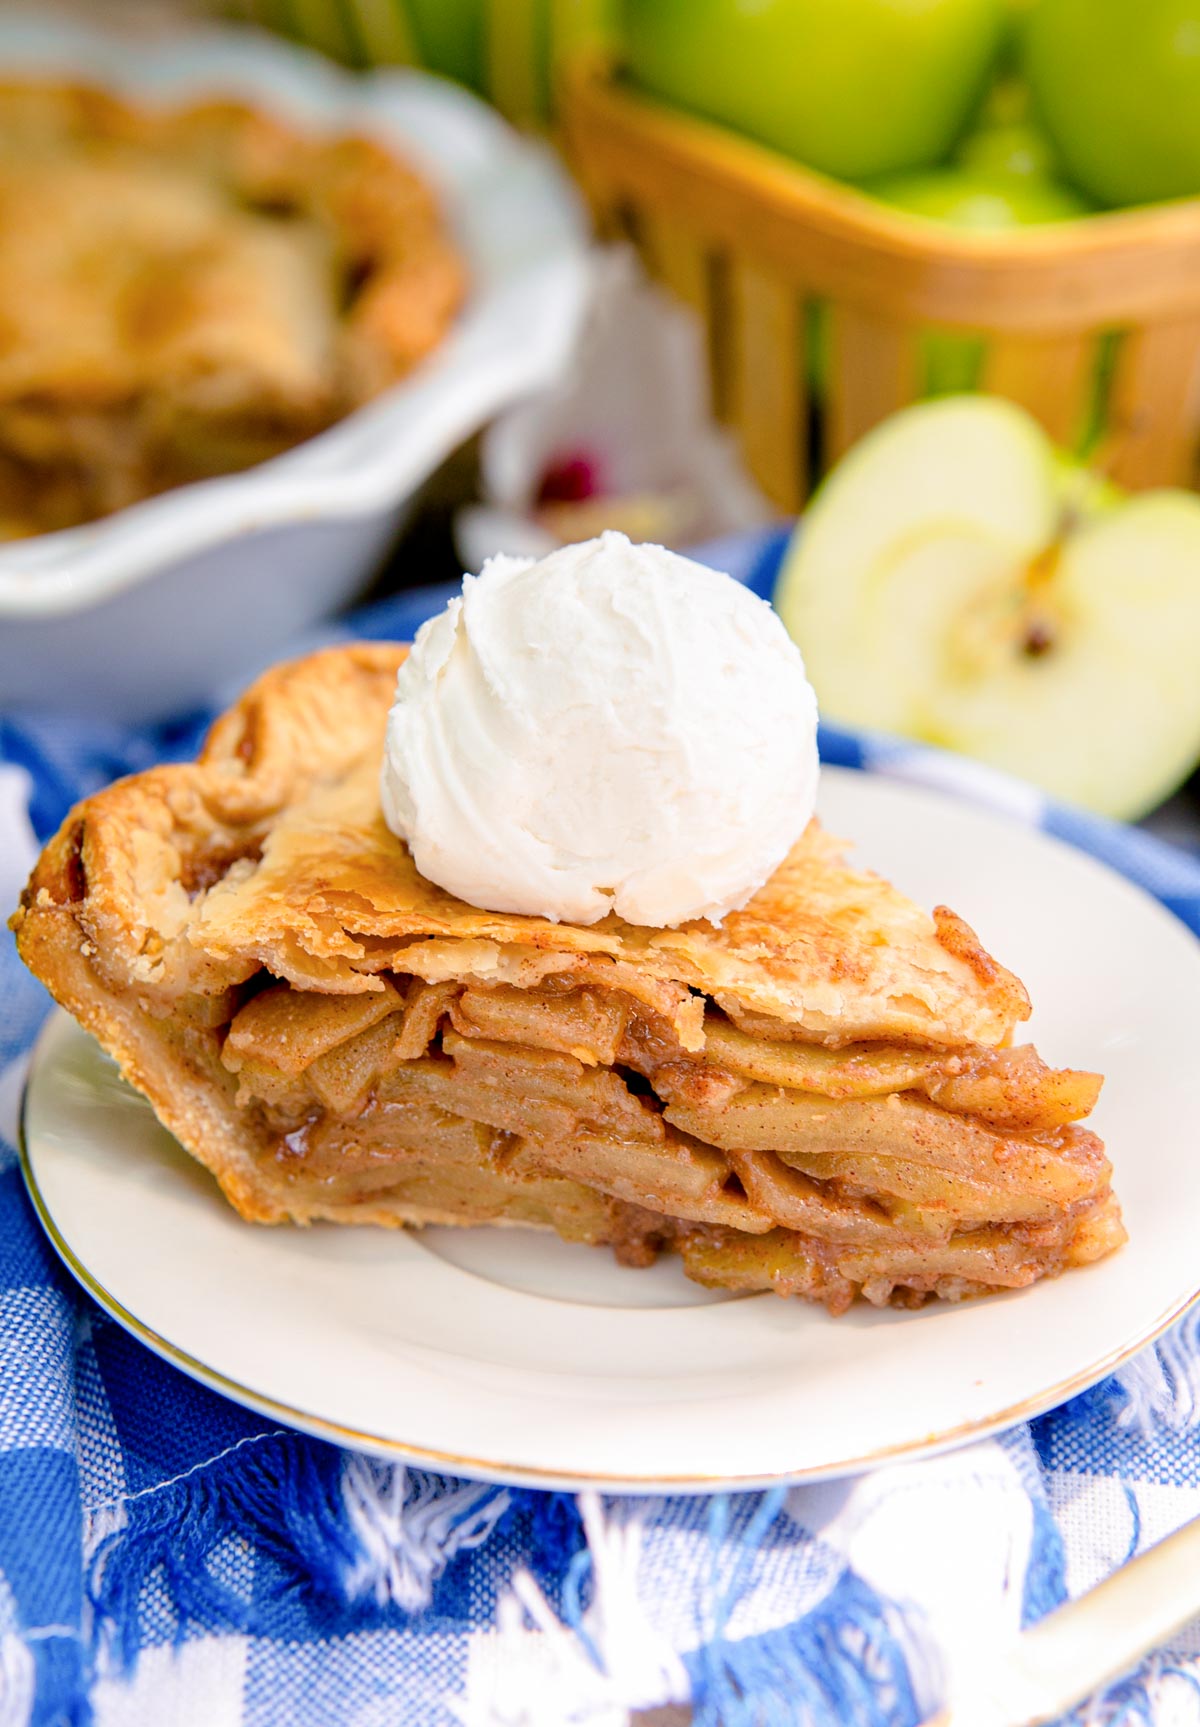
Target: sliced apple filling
884, 1171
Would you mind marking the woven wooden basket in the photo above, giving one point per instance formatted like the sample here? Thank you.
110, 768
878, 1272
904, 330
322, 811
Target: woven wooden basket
1095, 322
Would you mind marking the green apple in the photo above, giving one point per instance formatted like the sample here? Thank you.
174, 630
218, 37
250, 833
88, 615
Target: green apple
851, 87
958, 580
966, 197
1018, 11
1014, 151
1005, 140
1116, 84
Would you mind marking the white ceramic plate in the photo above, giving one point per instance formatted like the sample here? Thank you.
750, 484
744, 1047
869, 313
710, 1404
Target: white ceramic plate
510, 1355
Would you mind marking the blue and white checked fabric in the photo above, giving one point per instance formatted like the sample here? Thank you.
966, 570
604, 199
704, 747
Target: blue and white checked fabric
168, 1559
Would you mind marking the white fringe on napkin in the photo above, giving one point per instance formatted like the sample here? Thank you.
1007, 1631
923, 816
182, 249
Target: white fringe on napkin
533, 1670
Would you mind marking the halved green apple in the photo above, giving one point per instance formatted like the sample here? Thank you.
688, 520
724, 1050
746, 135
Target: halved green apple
958, 580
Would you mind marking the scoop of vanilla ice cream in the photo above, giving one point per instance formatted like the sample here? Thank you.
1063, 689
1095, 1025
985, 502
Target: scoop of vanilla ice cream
613, 728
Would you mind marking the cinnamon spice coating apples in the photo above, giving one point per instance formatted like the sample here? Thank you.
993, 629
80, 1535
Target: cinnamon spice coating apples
819, 1097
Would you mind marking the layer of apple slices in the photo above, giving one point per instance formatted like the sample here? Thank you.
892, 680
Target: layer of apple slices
875, 1170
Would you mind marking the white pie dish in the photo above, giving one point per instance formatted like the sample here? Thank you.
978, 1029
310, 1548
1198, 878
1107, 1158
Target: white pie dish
148, 611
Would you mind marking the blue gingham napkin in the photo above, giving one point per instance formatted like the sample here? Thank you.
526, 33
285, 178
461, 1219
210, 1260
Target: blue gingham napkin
168, 1559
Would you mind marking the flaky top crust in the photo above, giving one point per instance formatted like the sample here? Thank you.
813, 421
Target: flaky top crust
271, 851
103, 183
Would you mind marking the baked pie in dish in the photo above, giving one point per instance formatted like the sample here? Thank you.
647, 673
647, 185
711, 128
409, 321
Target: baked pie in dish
188, 291
819, 1097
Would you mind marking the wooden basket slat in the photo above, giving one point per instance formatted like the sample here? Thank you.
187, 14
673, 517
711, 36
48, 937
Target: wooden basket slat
680, 259
1154, 411
872, 370
627, 220
383, 32
764, 384
1049, 375
322, 25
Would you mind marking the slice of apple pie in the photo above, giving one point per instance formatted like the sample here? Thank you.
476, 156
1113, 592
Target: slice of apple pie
818, 1097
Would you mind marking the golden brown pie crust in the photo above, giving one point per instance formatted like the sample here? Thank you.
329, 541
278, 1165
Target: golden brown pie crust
819, 1096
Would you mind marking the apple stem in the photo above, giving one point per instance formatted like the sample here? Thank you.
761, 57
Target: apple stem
1043, 568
